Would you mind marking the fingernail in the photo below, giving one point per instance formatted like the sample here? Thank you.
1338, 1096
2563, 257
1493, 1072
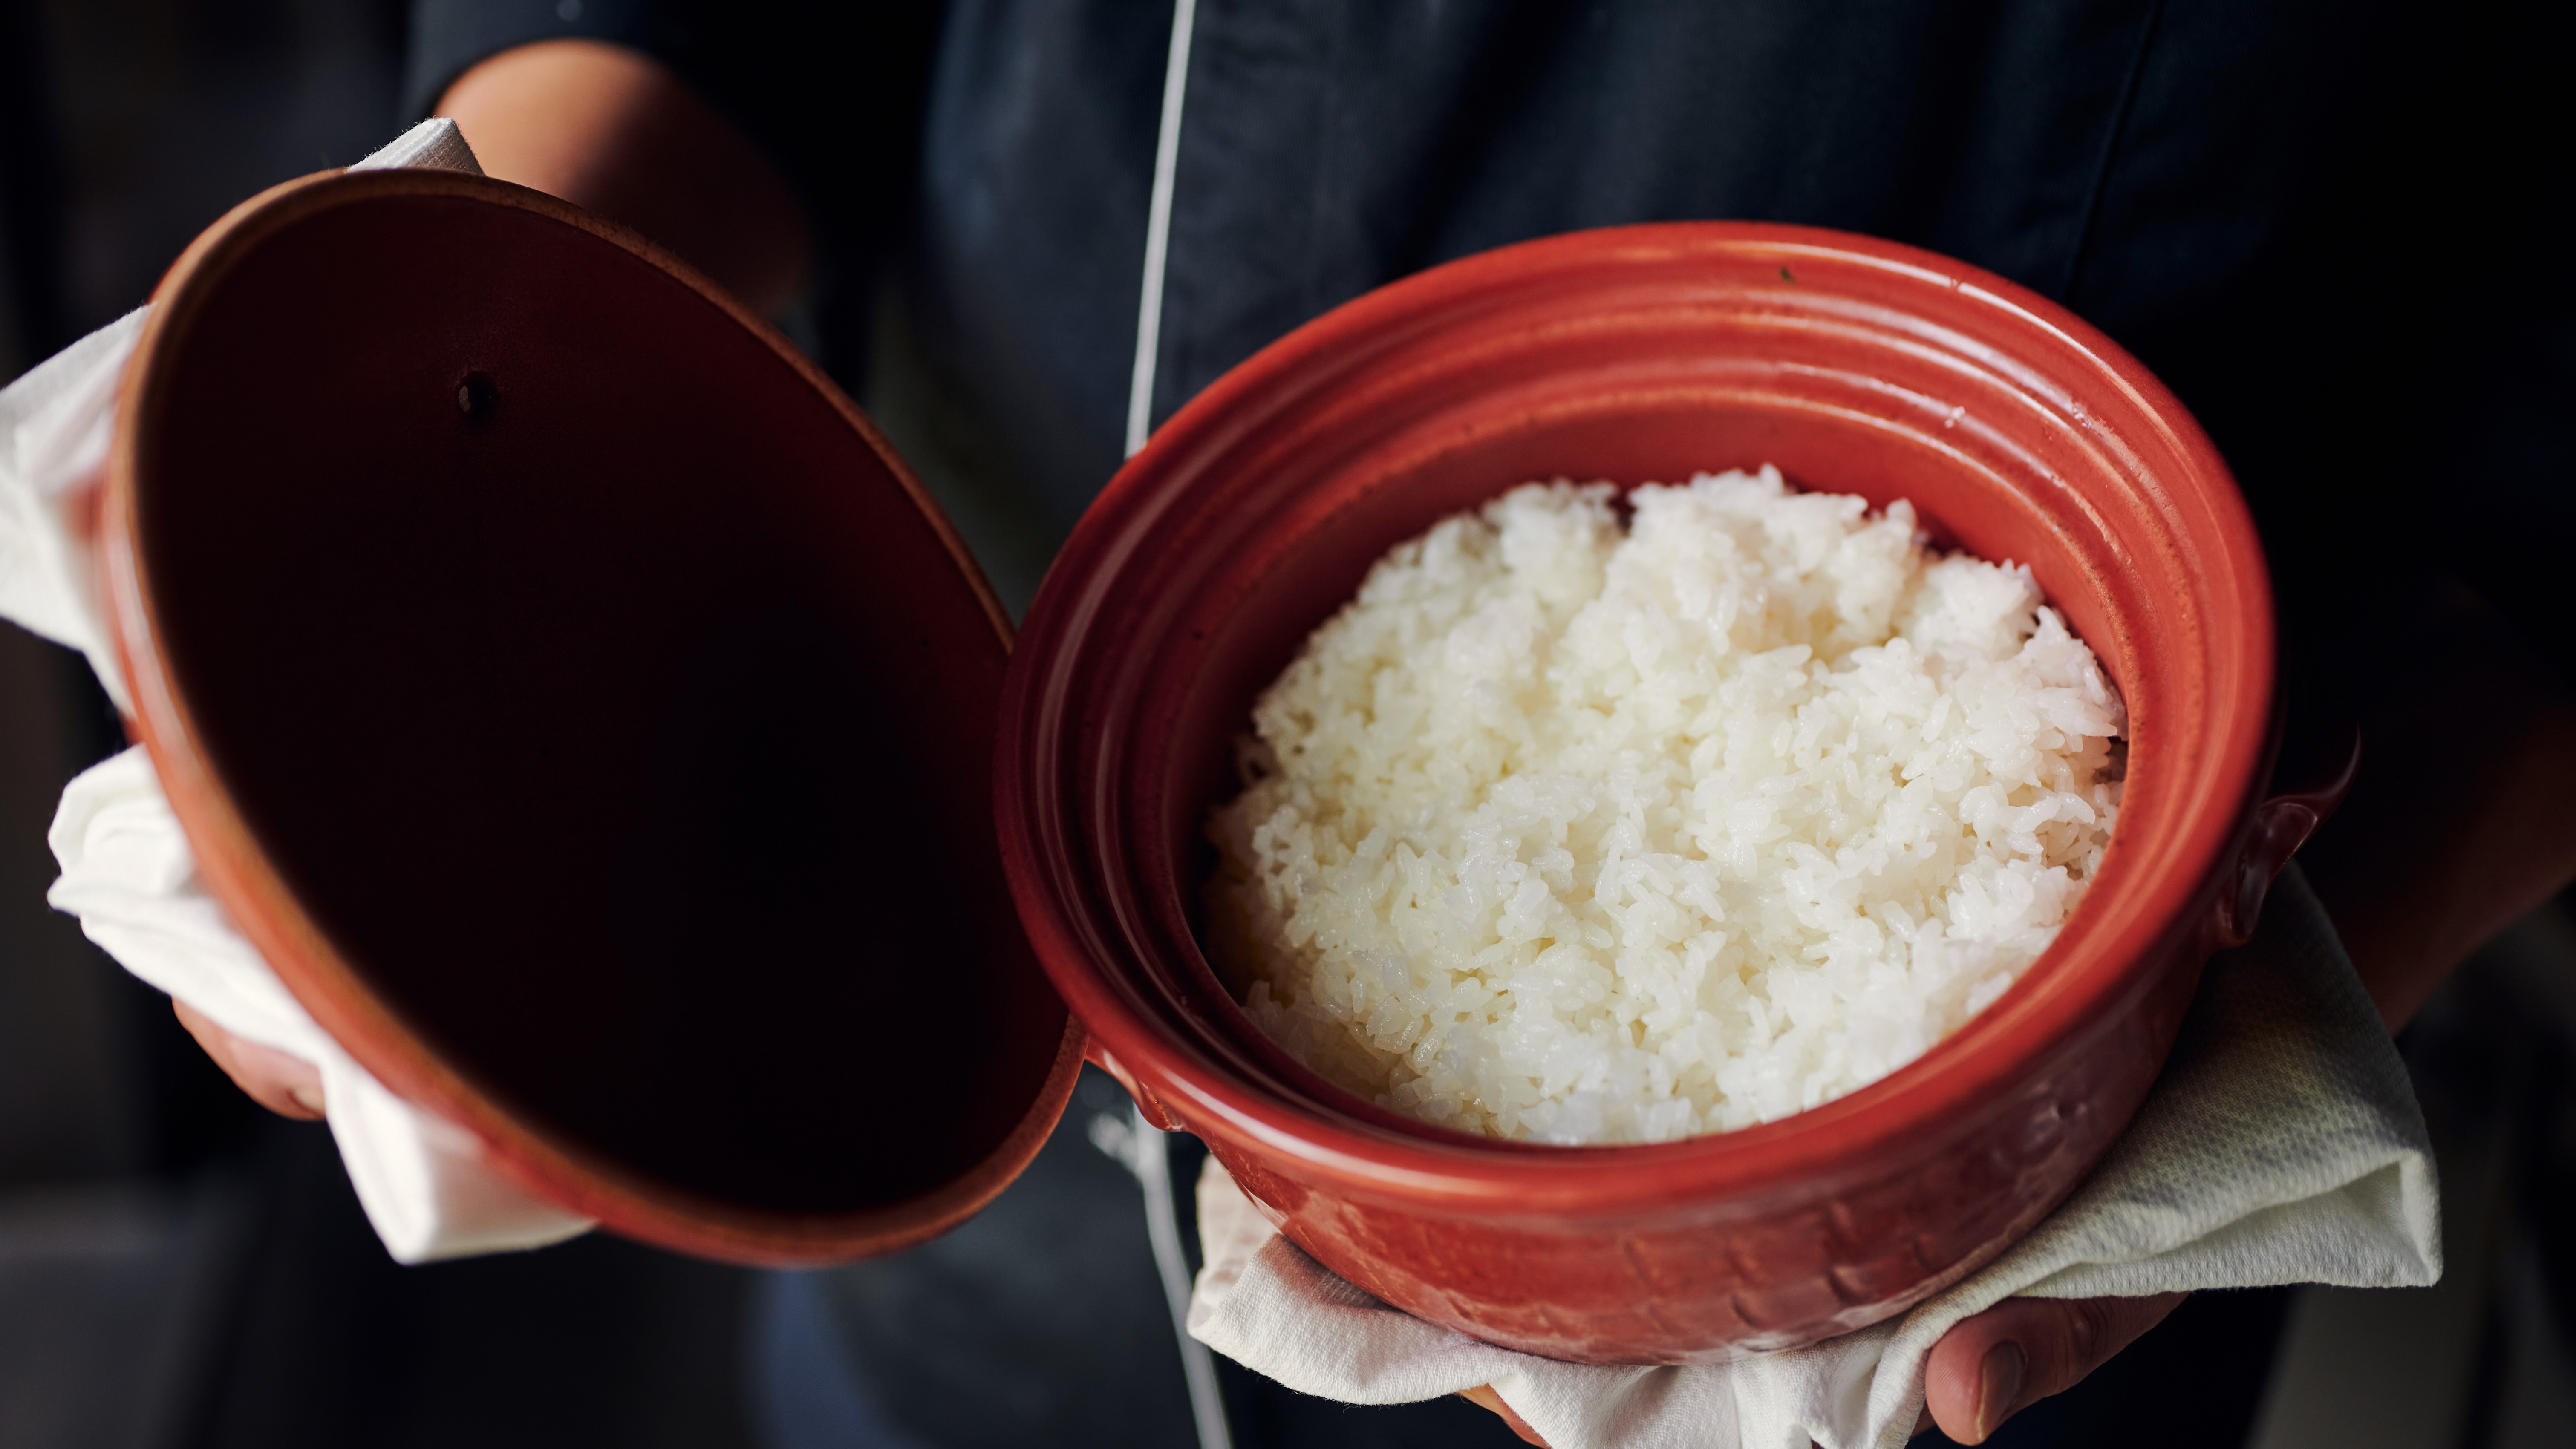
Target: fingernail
308, 1098
1998, 1385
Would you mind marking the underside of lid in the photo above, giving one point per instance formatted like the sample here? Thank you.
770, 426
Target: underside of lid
583, 710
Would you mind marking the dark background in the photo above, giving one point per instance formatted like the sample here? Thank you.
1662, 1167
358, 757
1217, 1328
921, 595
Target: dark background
177, 1268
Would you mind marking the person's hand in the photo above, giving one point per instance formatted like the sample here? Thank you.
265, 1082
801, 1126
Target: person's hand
1989, 1366
2023, 1350
287, 1085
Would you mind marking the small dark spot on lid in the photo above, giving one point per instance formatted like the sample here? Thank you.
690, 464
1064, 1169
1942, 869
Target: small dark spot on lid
1786, 277
477, 395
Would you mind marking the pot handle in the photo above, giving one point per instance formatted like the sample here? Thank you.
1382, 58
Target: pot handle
1153, 1111
2281, 824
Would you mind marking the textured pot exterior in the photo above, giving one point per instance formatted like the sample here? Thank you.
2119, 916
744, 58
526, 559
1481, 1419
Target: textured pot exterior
1865, 1237
1640, 354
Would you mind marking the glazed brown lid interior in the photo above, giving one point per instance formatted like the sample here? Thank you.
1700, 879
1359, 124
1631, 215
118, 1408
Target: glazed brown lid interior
613, 708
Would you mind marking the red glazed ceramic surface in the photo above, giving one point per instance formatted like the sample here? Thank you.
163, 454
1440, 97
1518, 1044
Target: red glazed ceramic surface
1643, 354
573, 698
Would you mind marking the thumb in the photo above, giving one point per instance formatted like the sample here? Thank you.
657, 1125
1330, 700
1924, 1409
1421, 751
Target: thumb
2024, 1349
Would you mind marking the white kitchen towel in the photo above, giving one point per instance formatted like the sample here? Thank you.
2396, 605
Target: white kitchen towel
127, 870
2282, 1144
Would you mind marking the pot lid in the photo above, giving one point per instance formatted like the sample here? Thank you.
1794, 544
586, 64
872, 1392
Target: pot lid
583, 709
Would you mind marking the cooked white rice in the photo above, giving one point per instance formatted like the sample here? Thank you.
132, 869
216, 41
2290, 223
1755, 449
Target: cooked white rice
1580, 834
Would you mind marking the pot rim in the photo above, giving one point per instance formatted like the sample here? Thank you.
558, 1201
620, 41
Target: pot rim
1910, 1112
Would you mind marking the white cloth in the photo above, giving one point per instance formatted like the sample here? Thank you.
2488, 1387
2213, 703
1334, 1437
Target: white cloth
2282, 1144
127, 870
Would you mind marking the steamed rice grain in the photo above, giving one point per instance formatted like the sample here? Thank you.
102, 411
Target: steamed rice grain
1576, 832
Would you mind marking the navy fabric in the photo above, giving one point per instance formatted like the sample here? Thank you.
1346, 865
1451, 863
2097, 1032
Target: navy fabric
1027, 260
448, 37
1041, 1321
1335, 144
804, 1393
2327, 225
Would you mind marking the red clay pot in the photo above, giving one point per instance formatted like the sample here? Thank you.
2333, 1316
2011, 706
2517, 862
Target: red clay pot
1637, 354
597, 728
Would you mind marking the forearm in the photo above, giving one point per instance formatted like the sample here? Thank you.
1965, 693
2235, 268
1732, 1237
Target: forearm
615, 132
